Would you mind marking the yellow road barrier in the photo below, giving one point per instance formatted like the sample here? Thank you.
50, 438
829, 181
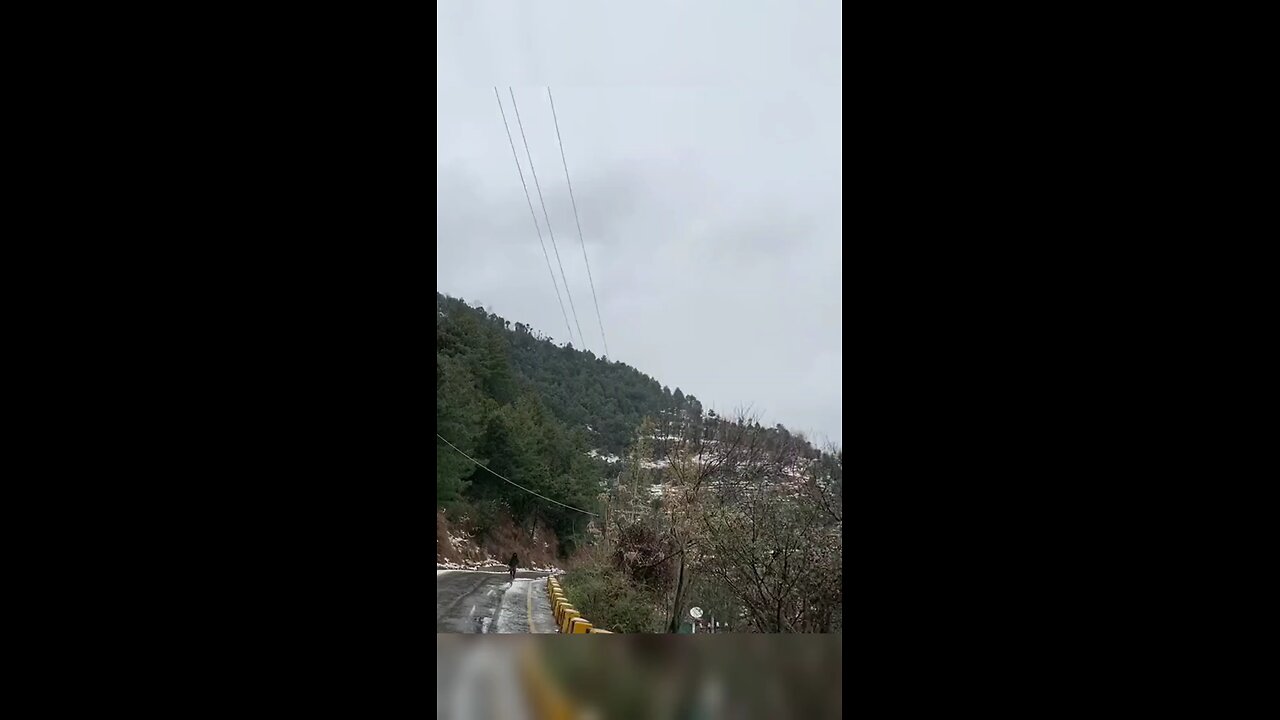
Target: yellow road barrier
568, 615
561, 607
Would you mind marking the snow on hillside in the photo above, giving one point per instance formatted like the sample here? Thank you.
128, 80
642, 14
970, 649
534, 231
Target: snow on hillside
610, 458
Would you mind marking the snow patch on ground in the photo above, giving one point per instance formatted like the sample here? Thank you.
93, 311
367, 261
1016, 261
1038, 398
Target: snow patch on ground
514, 616
486, 564
491, 565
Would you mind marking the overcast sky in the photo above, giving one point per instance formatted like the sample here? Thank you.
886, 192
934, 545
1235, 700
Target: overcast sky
704, 146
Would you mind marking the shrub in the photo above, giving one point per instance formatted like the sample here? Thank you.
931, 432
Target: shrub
606, 598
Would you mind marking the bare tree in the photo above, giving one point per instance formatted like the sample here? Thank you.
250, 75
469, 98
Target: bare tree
744, 507
710, 464
778, 545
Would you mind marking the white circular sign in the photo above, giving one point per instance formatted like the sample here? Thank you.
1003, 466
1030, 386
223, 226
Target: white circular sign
696, 612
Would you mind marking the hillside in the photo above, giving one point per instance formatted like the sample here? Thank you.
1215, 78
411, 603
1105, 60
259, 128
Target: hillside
549, 417
681, 507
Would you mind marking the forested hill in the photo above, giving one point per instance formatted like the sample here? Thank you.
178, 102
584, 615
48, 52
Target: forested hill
532, 410
578, 388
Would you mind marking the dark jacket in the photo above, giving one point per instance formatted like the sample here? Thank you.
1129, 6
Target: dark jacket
514, 561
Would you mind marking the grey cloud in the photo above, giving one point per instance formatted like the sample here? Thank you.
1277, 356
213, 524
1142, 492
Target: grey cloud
712, 215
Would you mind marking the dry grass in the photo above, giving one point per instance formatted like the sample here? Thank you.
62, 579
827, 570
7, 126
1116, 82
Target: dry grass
504, 538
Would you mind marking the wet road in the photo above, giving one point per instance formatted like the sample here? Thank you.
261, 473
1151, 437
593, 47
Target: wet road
469, 601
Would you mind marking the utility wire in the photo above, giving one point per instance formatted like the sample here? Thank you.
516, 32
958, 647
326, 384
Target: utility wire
579, 223
544, 497
582, 340
515, 156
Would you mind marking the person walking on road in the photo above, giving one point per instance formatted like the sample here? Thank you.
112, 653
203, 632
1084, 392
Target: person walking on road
513, 562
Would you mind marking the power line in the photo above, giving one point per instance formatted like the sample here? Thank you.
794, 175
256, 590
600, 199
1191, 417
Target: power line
577, 222
550, 232
515, 156
544, 497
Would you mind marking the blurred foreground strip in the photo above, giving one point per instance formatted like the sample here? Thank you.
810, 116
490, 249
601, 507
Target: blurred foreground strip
666, 677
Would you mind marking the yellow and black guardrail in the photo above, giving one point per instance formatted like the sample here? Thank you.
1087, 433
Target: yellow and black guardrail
568, 619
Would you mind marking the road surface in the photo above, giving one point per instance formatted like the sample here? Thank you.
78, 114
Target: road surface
473, 601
